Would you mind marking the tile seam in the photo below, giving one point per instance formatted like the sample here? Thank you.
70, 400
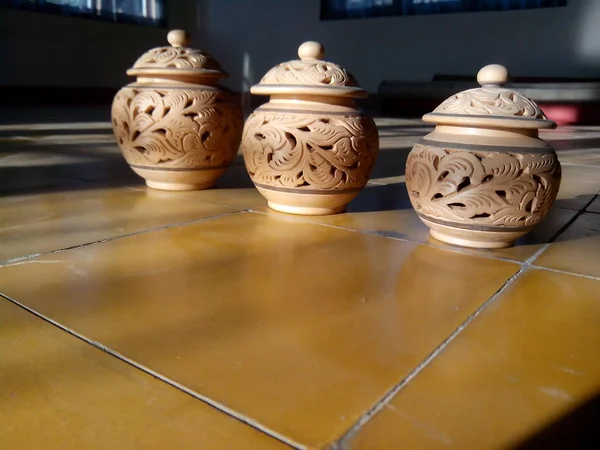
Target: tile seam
581, 275
391, 394
16, 260
204, 399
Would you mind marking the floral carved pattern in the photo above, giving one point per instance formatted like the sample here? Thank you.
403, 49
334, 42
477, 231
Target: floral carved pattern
309, 73
176, 58
490, 101
177, 128
312, 152
481, 188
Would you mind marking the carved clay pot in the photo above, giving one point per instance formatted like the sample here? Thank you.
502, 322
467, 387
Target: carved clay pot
483, 177
176, 128
310, 149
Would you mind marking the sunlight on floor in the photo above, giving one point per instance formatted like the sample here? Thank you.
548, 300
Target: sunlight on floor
205, 320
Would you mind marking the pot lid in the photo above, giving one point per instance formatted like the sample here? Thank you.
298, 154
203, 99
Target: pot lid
490, 105
177, 60
309, 75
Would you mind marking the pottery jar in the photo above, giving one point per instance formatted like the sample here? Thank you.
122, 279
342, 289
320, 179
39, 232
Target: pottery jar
483, 177
176, 127
310, 149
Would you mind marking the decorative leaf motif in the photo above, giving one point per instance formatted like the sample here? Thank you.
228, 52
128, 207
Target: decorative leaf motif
309, 73
490, 101
177, 57
503, 189
177, 128
309, 151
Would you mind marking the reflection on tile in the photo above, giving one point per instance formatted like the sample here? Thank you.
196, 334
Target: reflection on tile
58, 392
298, 326
528, 359
582, 157
385, 210
581, 173
31, 224
576, 250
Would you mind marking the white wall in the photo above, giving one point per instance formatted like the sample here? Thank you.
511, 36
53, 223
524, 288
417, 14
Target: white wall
546, 42
48, 50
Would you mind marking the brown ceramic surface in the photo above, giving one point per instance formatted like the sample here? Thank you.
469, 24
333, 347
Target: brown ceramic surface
483, 178
309, 150
176, 128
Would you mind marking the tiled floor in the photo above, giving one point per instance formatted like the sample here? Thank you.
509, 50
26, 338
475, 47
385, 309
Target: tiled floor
133, 318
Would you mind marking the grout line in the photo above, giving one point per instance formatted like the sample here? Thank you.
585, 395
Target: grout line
391, 394
220, 407
12, 261
571, 222
581, 275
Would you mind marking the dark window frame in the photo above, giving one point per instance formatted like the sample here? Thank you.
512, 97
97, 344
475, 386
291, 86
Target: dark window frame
41, 6
329, 11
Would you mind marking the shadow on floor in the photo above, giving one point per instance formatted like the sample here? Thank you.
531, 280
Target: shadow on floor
577, 430
387, 197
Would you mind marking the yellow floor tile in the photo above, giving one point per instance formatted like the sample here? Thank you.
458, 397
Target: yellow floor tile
298, 326
530, 358
577, 249
57, 392
385, 210
31, 224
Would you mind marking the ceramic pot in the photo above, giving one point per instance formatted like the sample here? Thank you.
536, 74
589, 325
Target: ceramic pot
310, 149
483, 178
176, 127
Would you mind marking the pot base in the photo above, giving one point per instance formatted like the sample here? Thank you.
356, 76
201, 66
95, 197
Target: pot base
179, 186
473, 238
307, 204
305, 211
180, 180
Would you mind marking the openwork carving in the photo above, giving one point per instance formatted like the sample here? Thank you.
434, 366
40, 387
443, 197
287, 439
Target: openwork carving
177, 128
492, 101
312, 73
481, 188
176, 58
309, 151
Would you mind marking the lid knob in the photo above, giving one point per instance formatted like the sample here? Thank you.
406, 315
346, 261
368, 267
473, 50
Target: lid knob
178, 38
493, 74
311, 50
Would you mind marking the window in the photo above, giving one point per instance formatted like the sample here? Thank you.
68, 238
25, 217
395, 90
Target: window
352, 9
144, 12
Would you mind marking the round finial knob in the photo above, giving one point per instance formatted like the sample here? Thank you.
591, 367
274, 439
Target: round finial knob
311, 50
178, 38
493, 74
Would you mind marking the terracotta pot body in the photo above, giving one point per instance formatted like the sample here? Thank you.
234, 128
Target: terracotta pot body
483, 178
176, 127
309, 150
